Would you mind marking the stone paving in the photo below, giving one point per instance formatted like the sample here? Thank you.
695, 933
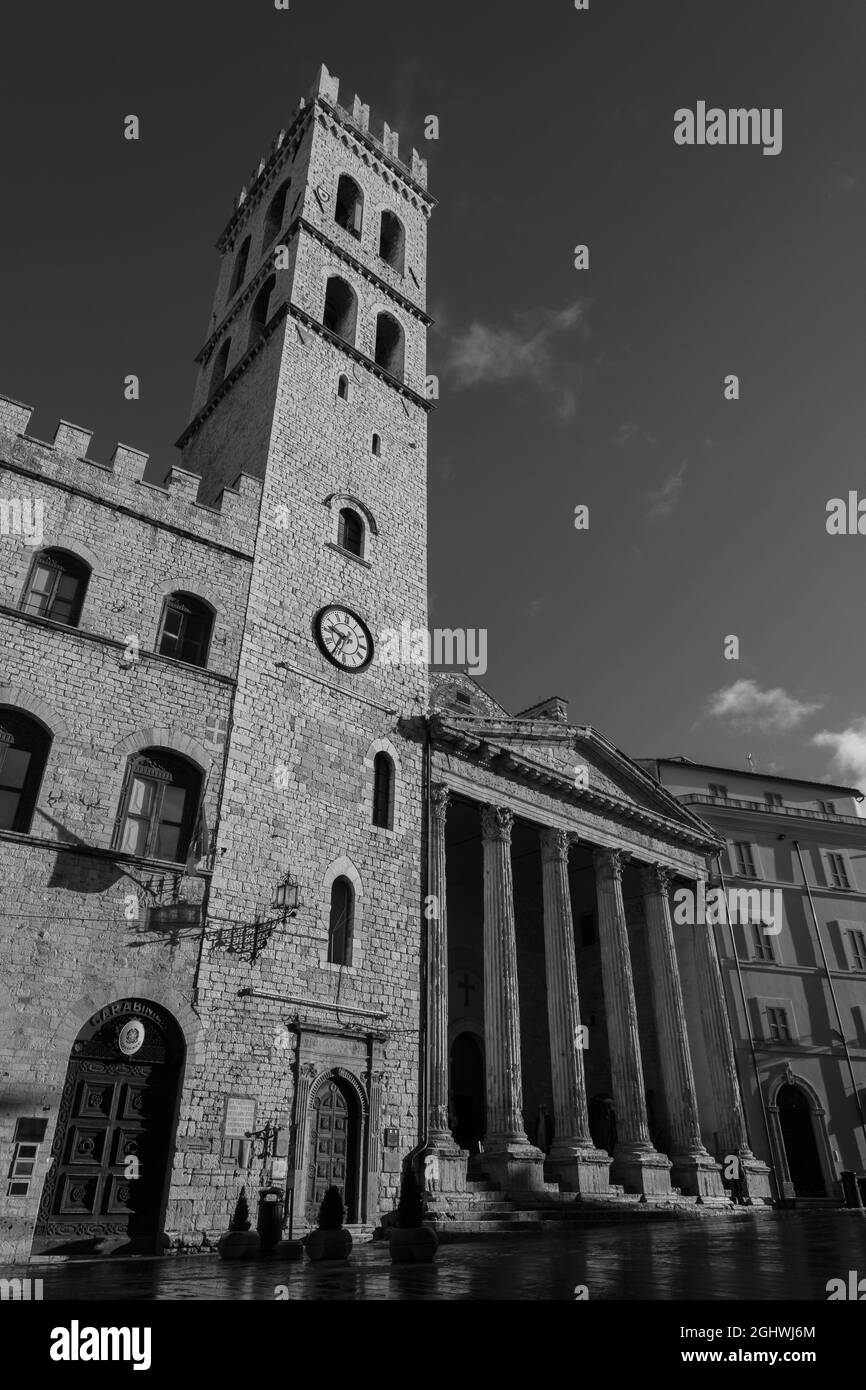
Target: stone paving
787, 1255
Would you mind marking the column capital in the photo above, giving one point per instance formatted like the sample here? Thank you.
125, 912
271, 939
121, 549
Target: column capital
609, 863
656, 878
496, 823
440, 797
554, 844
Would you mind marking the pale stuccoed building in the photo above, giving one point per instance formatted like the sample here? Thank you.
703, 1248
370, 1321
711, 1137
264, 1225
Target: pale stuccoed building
276, 910
793, 955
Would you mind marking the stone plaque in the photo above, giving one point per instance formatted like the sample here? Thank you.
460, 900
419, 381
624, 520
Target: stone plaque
240, 1117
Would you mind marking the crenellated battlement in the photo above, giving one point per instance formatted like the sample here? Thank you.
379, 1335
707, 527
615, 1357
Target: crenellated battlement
327, 89
230, 521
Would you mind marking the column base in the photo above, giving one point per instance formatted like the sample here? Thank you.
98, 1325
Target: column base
578, 1168
642, 1170
442, 1165
514, 1165
699, 1175
755, 1182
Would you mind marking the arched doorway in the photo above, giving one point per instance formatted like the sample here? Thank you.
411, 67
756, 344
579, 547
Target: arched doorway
335, 1125
106, 1189
801, 1147
467, 1091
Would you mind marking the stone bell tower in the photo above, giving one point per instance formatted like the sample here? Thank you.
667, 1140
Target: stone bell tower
313, 379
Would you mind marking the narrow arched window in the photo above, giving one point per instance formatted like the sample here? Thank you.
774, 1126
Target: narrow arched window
56, 587
383, 791
159, 806
349, 207
341, 922
259, 311
341, 309
392, 241
221, 361
24, 747
240, 270
185, 629
343, 387
376, 445
390, 349
350, 532
275, 215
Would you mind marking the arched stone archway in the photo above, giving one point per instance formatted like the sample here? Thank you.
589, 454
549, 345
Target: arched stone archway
106, 1188
799, 1128
337, 1118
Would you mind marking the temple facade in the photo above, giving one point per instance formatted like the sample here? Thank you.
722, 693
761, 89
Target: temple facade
279, 911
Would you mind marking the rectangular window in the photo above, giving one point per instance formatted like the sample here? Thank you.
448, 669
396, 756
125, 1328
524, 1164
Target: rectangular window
837, 871
828, 807
778, 1026
763, 943
773, 798
717, 790
743, 860
857, 944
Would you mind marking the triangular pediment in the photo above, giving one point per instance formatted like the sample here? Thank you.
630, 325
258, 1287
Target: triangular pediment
570, 762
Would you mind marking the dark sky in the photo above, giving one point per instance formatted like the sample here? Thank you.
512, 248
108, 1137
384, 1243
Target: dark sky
559, 387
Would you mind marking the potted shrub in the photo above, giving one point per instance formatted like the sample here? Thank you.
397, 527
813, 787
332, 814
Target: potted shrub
239, 1242
410, 1241
330, 1241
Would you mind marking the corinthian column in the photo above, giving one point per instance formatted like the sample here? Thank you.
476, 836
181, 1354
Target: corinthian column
508, 1154
438, 1132
753, 1174
442, 1159
694, 1170
636, 1163
574, 1160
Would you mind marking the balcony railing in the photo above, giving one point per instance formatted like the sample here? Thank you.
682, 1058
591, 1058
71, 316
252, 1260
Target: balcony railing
796, 812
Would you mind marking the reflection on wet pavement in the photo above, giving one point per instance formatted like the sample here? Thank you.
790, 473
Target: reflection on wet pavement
786, 1255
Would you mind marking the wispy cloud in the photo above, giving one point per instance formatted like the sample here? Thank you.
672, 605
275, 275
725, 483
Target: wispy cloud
841, 180
746, 706
630, 433
663, 501
487, 354
849, 751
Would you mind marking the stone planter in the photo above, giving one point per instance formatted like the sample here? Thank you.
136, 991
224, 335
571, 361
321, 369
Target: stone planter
329, 1245
239, 1245
412, 1245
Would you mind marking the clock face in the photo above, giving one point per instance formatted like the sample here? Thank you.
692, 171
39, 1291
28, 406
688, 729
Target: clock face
344, 638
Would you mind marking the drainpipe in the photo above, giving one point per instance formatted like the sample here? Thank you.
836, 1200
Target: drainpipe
736, 955
830, 986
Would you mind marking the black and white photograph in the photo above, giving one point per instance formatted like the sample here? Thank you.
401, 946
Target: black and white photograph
432, 699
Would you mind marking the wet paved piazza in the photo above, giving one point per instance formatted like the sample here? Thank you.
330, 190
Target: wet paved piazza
787, 1255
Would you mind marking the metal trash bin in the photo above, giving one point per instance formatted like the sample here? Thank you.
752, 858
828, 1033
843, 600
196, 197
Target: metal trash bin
850, 1188
270, 1217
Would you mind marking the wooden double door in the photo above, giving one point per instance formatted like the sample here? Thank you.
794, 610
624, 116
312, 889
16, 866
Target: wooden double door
335, 1140
112, 1145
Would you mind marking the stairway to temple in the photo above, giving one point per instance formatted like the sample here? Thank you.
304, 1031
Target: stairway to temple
484, 1209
